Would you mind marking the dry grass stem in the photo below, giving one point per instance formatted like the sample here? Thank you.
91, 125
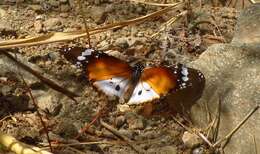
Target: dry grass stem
169, 22
196, 132
69, 36
86, 143
18, 147
88, 125
213, 126
252, 1
205, 139
228, 136
255, 145
151, 3
37, 111
1, 120
85, 22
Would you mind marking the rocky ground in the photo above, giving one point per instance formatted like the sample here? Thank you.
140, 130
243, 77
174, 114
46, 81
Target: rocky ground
181, 42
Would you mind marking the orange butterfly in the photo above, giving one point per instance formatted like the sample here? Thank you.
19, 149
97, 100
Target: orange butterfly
136, 85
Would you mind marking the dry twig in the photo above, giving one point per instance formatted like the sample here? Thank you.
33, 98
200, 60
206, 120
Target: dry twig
48, 82
115, 132
198, 133
37, 111
69, 36
169, 22
229, 135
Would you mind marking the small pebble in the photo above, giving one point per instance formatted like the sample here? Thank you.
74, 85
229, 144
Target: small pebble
120, 121
38, 26
135, 121
191, 140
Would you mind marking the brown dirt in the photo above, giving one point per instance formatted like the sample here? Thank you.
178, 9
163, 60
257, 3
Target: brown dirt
181, 42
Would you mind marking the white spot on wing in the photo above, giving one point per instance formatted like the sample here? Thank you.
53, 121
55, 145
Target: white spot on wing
185, 78
184, 71
81, 58
109, 86
78, 64
87, 52
147, 94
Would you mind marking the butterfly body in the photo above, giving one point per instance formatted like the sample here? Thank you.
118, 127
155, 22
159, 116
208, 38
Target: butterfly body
135, 85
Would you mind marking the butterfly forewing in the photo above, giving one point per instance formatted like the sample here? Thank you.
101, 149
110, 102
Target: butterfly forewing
105, 67
108, 74
73, 54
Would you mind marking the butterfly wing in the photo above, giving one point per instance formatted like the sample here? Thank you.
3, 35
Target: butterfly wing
102, 66
154, 83
108, 74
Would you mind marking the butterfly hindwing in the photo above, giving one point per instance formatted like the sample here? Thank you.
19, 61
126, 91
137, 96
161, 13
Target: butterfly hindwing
115, 86
142, 93
154, 83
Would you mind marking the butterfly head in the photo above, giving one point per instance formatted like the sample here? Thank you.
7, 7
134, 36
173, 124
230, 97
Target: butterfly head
137, 71
139, 66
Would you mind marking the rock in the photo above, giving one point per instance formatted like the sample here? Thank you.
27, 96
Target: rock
103, 45
65, 128
123, 108
53, 56
134, 121
5, 26
122, 43
2, 13
38, 26
190, 140
98, 14
7, 66
5, 90
53, 3
248, 26
163, 150
37, 8
64, 8
128, 133
232, 73
39, 17
120, 121
97, 2
199, 150
47, 101
72, 3
64, 15
52, 24
12, 103
63, 1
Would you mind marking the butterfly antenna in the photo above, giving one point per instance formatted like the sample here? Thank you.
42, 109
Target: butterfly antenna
85, 22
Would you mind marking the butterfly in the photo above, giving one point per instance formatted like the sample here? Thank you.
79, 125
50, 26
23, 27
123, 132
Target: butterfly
134, 84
